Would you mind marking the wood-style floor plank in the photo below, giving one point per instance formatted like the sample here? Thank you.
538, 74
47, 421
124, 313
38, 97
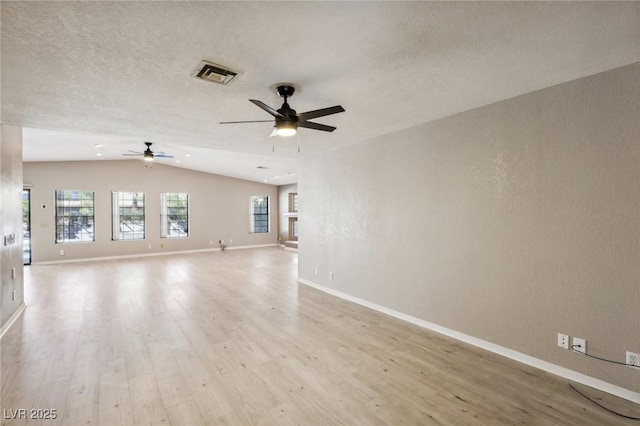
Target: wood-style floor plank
230, 338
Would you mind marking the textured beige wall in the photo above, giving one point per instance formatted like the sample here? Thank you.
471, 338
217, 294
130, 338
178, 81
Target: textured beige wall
510, 223
11, 220
283, 207
219, 207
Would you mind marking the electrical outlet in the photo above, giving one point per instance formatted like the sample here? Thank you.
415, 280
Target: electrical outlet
633, 359
579, 345
563, 341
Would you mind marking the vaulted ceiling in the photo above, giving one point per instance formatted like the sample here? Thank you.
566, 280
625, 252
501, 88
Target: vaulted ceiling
115, 74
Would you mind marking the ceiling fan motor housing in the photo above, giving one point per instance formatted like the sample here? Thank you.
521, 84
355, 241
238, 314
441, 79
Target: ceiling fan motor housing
285, 91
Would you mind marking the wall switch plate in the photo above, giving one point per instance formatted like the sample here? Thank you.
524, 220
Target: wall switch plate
61, 252
563, 341
579, 345
330, 275
317, 270
633, 359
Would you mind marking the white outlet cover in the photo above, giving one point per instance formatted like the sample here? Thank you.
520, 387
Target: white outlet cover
633, 358
563, 341
582, 343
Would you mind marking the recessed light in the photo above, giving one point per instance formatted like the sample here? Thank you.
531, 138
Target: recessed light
99, 154
276, 177
187, 155
265, 181
177, 161
98, 145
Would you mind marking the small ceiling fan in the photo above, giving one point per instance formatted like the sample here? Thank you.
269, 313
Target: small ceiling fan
148, 154
287, 120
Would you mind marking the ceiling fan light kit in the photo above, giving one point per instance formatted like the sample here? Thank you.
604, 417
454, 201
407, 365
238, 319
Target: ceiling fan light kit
287, 120
286, 128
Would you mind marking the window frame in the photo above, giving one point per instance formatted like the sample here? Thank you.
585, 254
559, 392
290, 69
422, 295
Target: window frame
164, 215
253, 214
116, 216
67, 200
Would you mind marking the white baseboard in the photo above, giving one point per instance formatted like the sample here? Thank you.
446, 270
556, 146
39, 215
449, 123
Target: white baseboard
7, 325
491, 347
159, 253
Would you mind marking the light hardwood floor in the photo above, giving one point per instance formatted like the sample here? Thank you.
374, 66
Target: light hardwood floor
230, 338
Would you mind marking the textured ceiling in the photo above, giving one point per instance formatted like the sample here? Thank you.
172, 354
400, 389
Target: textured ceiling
119, 73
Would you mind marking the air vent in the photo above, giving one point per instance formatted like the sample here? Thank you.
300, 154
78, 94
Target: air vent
214, 73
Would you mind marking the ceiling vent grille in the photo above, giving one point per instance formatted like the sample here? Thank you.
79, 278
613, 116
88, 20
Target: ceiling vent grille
214, 73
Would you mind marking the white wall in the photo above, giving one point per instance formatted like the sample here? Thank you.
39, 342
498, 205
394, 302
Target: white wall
509, 223
219, 207
11, 221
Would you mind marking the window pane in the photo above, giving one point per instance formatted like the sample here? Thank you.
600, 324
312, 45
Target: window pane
128, 216
174, 215
74, 216
260, 214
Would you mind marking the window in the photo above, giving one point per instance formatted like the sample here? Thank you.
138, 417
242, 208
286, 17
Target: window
26, 226
128, 215
293, 202
174, 215
259, 214
74, 216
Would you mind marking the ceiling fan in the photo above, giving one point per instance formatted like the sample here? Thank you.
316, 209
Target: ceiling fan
287, 120
148, 154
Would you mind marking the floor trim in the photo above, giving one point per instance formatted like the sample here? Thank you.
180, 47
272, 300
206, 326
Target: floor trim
7, 325
160, 253
491, 347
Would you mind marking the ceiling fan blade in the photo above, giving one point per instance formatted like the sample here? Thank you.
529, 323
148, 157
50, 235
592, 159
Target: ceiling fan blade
135, 152
315, 126
162, 156
267, 108
133, 155
250, 121
310, 115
